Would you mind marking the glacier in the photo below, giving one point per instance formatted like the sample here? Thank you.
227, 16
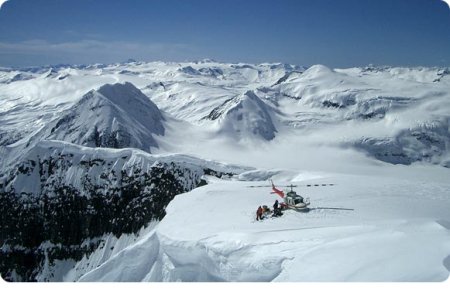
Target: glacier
153, 171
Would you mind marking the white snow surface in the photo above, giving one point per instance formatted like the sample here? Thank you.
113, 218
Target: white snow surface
245, 116
112, 159
347, 127
364, 228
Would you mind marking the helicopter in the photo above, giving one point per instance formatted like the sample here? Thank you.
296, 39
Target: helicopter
292, 200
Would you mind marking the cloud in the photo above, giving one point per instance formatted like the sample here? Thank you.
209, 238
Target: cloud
87, 46
88, 51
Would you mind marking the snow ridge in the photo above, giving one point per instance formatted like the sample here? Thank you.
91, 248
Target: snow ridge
68, 197
84, 197
115, 116
245, 116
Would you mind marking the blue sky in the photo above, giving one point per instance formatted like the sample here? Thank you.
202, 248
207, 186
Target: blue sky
337, 33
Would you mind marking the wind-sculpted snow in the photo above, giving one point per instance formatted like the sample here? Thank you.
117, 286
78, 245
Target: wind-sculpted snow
208, 260
58, 125
356, 230
70, 196
303, 99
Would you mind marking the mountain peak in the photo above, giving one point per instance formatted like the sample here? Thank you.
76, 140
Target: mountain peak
122, 92
245, 115
317, 71
115, 115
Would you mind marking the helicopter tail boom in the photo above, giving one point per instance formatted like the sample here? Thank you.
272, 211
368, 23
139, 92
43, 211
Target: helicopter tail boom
276, 190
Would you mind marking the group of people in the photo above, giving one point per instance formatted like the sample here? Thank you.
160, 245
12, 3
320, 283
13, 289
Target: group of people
262, 210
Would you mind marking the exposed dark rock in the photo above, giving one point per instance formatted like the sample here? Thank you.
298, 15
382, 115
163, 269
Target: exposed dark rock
61, 218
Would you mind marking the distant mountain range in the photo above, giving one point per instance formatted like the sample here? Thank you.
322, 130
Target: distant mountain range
61, 193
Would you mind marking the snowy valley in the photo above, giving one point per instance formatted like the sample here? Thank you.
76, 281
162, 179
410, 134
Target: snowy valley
153, 171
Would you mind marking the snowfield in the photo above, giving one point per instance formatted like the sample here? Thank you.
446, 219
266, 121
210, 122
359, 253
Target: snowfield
369, 146
364, 228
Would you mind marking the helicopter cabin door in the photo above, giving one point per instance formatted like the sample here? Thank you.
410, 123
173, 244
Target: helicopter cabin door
290, 201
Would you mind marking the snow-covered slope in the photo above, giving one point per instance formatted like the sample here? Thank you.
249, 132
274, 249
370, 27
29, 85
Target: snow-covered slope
61, 199
244, 116
426, 142
380, 134
364, 228
359, 103
115, 116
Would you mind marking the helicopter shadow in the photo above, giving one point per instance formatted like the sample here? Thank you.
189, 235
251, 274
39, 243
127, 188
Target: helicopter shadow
332, 208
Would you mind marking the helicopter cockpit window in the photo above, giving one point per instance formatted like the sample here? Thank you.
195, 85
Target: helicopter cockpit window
298, 200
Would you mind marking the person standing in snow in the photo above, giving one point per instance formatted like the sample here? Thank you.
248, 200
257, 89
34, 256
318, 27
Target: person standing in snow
259, 213
276, 209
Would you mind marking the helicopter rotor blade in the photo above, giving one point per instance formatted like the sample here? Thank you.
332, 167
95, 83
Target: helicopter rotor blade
300, 185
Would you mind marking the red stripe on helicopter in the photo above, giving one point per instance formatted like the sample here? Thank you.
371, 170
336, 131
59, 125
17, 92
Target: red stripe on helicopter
277, 191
